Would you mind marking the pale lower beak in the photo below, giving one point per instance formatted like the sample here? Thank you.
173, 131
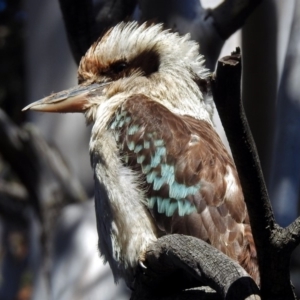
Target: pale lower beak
72, 100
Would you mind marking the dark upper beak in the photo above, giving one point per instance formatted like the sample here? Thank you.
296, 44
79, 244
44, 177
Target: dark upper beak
72, 100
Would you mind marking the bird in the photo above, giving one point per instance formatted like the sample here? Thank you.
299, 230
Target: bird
159, 165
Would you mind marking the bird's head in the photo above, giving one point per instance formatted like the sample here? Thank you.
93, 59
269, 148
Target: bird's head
135, 59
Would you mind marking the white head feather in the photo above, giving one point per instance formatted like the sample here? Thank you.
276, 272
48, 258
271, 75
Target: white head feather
173, 84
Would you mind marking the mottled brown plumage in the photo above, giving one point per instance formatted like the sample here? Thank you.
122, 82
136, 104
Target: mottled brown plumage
198, 156
159, 165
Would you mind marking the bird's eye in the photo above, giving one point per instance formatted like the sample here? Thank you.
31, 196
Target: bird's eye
119, 67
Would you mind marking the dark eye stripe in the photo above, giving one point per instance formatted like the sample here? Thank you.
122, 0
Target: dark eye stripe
119, 67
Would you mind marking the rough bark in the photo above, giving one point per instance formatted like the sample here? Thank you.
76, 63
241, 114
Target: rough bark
177, 262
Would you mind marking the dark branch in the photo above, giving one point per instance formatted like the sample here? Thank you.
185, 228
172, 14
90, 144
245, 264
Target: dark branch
227, 97
42, 171
38, 166
16, 150
272, 245
13, 190
113, 12
291, 235
85, 22
44, 174
177, 262
14, 200
231, 15
80, 25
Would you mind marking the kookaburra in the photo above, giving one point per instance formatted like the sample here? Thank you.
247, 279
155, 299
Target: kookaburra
159, 165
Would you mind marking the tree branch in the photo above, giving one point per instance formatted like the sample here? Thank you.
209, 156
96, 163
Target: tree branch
13, 190
177, 262
85, 22
79, 21
231, 15
226, 93
272, 246
43, 172
113, 12
291, 235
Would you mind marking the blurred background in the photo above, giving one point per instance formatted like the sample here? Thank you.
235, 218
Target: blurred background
48, 247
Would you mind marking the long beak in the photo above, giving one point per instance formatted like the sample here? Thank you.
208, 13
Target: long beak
72, 100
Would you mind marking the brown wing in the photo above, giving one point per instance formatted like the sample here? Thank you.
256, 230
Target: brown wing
191, 181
